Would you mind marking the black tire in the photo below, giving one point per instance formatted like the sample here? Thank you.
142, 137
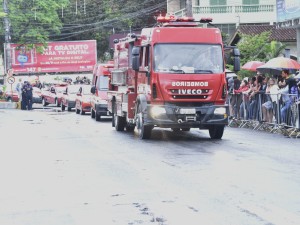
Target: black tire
185, 129
62, 107
130, 128
69, 109
113, 124
44, 103
144, 131
56, 103
92, 113
216, 131
119, 123
97, 116
77, 111
175, 129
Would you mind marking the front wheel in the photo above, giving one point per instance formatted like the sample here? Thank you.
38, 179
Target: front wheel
144, 131
44, 103
216, 131
56, 102
130, 127
97, 116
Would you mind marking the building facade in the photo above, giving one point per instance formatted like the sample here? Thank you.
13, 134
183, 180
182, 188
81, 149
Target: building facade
228, 14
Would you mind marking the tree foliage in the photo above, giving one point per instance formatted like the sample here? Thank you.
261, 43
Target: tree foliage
34, 21
40, 21
259, 47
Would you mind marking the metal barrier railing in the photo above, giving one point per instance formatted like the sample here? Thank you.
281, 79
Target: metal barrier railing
270, 112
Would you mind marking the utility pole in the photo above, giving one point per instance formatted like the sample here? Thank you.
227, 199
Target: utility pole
7, 52
189, 8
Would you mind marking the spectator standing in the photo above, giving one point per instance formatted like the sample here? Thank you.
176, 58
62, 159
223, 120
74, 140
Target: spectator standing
24, 100
288, 93
19, 90
241, 99
234, 85
29, 96
271, 94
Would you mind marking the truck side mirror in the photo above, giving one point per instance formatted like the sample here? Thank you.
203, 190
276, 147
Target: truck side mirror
236, 63
135, 58
236, 52
93, 89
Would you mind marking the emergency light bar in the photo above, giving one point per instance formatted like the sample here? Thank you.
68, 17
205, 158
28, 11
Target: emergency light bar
172, 18
206, 20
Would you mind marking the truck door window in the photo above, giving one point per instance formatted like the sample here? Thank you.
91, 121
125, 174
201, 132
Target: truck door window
145, 58
188, 58
102, 83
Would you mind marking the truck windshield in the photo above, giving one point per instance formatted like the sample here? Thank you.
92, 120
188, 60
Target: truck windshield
103, 83
188, 58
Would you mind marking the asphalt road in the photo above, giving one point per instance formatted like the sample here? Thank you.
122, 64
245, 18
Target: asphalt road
66, 169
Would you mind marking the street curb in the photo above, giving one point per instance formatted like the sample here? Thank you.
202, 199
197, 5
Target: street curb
8, 105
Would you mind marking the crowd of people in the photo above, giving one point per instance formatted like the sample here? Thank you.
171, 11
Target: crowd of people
271, 99
25, 94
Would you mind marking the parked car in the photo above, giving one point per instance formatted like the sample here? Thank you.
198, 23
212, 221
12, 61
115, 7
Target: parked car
83, 100
11, 96
68, 98
53, 94
36, 95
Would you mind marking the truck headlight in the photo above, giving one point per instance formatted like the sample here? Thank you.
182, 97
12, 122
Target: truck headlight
157, 111
220, 111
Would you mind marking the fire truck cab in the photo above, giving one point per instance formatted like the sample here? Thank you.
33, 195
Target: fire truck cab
100, 86
170, 76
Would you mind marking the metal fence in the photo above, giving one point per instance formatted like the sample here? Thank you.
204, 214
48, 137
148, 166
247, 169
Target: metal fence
270, 112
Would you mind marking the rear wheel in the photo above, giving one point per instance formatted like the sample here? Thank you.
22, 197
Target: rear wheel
62, 107
216, 131
69, 109
113, 124
92, 113
119, 122
77, 111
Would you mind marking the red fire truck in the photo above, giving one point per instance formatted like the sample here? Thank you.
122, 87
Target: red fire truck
100, 86
171, 76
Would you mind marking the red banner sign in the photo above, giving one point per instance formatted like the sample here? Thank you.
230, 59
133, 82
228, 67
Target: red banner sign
69, 56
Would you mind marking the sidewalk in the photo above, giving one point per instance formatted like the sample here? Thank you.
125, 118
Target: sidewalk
8, 105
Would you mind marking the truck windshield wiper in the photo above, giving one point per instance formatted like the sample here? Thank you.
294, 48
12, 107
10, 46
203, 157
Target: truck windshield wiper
177, 71
203, 71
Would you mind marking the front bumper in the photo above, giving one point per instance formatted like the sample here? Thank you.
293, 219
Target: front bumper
71, 104
101, 109
189, 117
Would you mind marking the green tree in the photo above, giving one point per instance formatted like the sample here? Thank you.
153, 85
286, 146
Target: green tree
34, 21
274, 49
252, 47
258, 47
